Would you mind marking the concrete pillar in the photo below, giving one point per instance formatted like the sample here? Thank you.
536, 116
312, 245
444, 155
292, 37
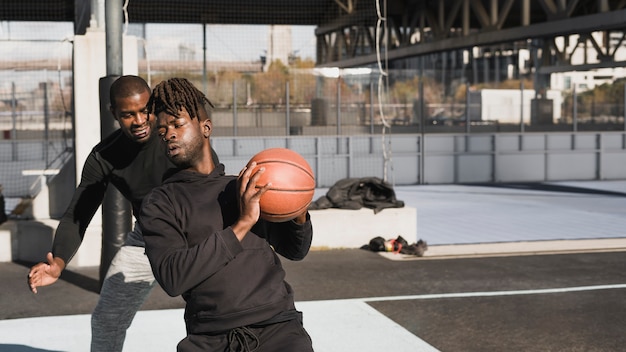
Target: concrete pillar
89, 67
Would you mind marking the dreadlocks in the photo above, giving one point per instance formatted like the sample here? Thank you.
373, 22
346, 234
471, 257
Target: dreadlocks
174, 94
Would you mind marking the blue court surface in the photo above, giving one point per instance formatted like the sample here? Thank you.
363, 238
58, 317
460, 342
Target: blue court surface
510, 267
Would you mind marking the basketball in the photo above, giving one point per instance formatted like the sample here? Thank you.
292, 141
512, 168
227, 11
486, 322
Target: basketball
293, 183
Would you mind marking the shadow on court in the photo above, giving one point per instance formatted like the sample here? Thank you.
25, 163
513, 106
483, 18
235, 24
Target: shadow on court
21, 348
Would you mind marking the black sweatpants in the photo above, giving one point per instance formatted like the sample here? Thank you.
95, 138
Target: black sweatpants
289, 336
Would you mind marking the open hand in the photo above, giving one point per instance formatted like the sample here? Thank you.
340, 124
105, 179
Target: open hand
44, 274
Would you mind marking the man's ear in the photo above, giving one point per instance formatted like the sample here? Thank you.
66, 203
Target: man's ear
207, 128
112, 113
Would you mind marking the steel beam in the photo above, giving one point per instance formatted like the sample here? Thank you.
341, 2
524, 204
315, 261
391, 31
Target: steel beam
550, 29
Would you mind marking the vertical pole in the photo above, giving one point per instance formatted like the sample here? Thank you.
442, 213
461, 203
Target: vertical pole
624, 107
574, 110
422, 178
444, 66
474, 65
235, 123
467, 117
463, 66
14, 121
113, 29
496, 64
338, 114
521, 110
146, 56
372, 107
371, 119
467, 107
205, 85
287, 118
116, 210
485, 68
339, 105
46, 123
575, 119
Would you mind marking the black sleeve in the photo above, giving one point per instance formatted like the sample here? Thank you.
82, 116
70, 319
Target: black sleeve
84, 204
289, 239
177, 266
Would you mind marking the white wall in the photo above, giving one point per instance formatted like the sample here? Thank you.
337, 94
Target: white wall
448, 158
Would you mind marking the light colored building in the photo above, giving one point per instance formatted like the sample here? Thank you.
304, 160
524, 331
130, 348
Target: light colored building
278, 45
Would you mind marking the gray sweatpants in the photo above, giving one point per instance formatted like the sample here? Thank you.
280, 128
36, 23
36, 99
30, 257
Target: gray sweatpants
126, 286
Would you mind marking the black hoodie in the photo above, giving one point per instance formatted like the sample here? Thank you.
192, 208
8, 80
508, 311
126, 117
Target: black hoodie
195, 253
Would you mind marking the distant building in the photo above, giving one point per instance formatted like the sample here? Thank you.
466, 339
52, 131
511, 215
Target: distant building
278, 45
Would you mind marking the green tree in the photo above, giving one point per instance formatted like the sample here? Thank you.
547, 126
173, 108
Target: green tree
269, 87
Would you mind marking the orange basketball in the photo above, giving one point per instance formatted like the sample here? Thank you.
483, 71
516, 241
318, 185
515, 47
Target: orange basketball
293, 183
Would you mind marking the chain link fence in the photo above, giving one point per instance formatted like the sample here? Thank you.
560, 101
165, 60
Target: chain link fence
264, 82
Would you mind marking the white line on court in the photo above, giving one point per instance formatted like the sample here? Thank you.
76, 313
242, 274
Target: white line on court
482, 294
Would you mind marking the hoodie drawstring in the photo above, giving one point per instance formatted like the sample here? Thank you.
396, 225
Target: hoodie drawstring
238, 337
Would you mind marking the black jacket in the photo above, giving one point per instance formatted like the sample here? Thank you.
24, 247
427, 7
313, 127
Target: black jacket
194, 252
356, 193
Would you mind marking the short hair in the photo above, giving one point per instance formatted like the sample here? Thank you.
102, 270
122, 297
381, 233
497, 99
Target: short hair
126, 86
174, 94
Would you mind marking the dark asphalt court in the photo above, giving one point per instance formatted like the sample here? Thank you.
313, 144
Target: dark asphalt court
501, 303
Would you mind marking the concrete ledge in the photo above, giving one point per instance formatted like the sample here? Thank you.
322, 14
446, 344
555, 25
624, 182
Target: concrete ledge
343, 228
26, 240
31, 240
6, 241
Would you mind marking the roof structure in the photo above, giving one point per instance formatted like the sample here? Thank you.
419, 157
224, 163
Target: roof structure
300, 12
346, 29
